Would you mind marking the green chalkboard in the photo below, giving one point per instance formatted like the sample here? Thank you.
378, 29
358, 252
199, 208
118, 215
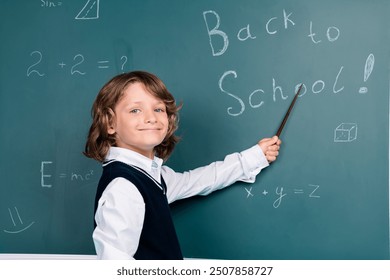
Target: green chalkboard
235, 65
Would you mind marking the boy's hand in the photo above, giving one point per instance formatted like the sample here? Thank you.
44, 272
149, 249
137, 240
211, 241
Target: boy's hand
270, 147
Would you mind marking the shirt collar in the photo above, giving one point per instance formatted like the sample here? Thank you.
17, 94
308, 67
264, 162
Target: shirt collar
151, 166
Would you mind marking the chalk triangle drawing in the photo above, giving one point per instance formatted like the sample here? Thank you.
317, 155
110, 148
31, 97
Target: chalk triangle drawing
90, 10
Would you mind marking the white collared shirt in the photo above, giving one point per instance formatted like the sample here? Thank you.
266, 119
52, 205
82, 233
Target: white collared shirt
121, 209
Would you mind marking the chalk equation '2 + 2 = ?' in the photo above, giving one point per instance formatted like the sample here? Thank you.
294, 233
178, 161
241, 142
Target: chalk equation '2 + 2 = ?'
78, 65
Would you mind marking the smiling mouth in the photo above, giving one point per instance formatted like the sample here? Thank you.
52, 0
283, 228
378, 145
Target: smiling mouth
149, 129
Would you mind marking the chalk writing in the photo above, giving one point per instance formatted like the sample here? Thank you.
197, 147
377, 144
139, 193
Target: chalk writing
345, 132
77, 177
31, 69
78, 66
50, 4
314, 192
369, 66
255, 97
17, 222
286, 21
79, 59
214, 31
103, 64
219, 39
89, 11
44, 183
332, 34
124, 59
281, 193
249, 192
219, 43
47, 177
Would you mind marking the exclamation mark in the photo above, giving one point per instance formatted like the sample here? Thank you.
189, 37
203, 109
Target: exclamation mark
370, 61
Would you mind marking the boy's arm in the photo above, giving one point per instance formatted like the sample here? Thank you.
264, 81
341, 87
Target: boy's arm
235, 167
119, 219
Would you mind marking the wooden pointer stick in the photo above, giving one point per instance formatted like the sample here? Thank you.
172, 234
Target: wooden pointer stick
288, 113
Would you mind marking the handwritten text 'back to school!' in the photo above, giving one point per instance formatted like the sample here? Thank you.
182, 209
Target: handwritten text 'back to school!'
219, 43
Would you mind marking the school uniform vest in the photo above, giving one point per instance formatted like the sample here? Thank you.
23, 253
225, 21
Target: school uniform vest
158, 239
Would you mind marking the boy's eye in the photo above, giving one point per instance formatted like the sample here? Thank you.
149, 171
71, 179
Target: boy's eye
160, 110
134, 111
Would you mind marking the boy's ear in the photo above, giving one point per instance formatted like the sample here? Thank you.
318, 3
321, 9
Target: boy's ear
110, 130
110, 120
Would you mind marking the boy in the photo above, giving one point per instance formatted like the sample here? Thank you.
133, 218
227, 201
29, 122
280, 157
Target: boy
132, 133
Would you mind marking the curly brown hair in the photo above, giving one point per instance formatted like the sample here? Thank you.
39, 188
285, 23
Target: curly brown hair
99, 140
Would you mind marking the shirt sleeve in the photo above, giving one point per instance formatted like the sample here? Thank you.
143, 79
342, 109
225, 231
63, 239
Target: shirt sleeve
119, 218
244, 166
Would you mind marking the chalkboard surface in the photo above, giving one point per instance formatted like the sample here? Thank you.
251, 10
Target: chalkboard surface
235, 65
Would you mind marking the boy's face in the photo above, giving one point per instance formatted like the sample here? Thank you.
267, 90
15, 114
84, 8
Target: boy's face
141, 121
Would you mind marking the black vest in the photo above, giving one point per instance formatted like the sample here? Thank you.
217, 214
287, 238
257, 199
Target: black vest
158, 237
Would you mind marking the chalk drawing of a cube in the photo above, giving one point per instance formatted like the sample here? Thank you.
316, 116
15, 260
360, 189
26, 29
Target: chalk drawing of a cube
345, 132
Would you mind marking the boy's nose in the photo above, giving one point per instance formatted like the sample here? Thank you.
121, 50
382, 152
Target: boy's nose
150, 117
